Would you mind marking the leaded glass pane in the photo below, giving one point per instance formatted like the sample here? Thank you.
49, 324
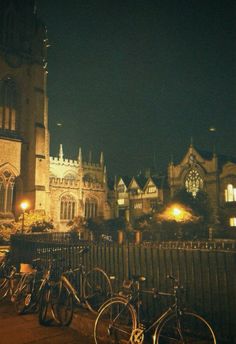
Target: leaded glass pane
193, 182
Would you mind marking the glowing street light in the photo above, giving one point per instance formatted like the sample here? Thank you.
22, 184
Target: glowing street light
24, 205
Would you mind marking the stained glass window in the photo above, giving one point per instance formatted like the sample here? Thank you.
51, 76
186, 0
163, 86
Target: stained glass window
193, 182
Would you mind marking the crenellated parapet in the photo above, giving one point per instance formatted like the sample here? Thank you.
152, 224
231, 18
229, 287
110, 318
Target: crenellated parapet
63, 162
92, 186
63, 182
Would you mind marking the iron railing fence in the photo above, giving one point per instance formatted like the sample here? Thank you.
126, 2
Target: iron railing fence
206, 269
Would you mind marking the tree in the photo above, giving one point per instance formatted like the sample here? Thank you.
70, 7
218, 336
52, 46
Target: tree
200, 204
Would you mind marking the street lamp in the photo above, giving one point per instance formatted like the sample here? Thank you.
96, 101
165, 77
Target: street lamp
24, 205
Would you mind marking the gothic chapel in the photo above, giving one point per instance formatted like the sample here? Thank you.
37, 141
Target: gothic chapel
59, 187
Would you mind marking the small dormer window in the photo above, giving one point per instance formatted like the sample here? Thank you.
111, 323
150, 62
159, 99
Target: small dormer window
151, 189
121, 188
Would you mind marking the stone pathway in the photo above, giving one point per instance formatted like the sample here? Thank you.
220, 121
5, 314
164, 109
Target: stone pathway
25, 329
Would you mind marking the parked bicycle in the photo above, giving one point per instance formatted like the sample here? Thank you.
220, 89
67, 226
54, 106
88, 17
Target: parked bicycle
93, 289
37, 284
119, 320
7, 276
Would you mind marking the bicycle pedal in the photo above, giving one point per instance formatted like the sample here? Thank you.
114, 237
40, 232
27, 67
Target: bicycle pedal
141, 327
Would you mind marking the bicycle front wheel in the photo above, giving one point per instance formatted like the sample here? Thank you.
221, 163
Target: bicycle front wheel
187, 327
96, 289
22, 296
63, 305
115, 322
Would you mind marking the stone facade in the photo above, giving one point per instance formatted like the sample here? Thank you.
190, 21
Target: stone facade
59, 187
77, 188
24, 158
213, 173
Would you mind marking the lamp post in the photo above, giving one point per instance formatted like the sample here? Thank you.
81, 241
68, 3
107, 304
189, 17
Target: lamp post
24, 206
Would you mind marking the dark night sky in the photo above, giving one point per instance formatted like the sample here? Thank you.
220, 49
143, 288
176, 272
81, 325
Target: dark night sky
140, 78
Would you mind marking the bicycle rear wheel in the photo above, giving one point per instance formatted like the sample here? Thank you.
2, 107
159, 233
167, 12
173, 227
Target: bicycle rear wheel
44, 302
96, 289
63, 307
4, 288
187, 327
115, 322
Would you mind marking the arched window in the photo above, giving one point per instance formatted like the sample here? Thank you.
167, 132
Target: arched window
7, 182
8, 104
193, 182
91, 208
67, 211
230, 193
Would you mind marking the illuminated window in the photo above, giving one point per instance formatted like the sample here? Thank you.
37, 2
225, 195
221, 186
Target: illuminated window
91, 208
7, 182
230, 193
8, 105
67, 207
151, 189
232, 222
193, 182
138, 205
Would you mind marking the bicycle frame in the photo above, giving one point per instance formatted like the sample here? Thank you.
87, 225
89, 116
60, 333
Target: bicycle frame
135, 299
64, 279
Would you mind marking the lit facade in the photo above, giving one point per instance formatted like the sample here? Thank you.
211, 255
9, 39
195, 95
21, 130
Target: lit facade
213, 173
139, 195
61, 188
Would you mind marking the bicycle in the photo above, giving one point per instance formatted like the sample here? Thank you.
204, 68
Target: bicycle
94, 288
36, 284
119, 320
27, 292
7, 276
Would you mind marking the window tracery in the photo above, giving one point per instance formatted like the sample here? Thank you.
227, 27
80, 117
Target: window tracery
67, 211
193, 182
7, 182
91, 208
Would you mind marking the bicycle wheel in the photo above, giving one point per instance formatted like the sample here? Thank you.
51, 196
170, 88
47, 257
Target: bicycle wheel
115, 322
62, 304
44, 306
185, 328
4, 288
23, 295
96, 289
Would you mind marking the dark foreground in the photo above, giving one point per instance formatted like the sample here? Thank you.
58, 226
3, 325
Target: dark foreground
22, 329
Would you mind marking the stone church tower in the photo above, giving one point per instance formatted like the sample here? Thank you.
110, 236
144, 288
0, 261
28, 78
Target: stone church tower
24, 138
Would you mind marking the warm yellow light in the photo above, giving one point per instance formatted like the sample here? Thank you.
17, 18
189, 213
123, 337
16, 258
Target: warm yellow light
24, 205
176, 212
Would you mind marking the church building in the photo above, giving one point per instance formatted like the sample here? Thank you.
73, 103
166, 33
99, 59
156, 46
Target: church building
56, 186
213, 173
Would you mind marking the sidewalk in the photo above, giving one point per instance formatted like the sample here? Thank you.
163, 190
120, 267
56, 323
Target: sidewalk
25, 329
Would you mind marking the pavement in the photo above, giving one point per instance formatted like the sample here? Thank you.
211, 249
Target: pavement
25, 329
